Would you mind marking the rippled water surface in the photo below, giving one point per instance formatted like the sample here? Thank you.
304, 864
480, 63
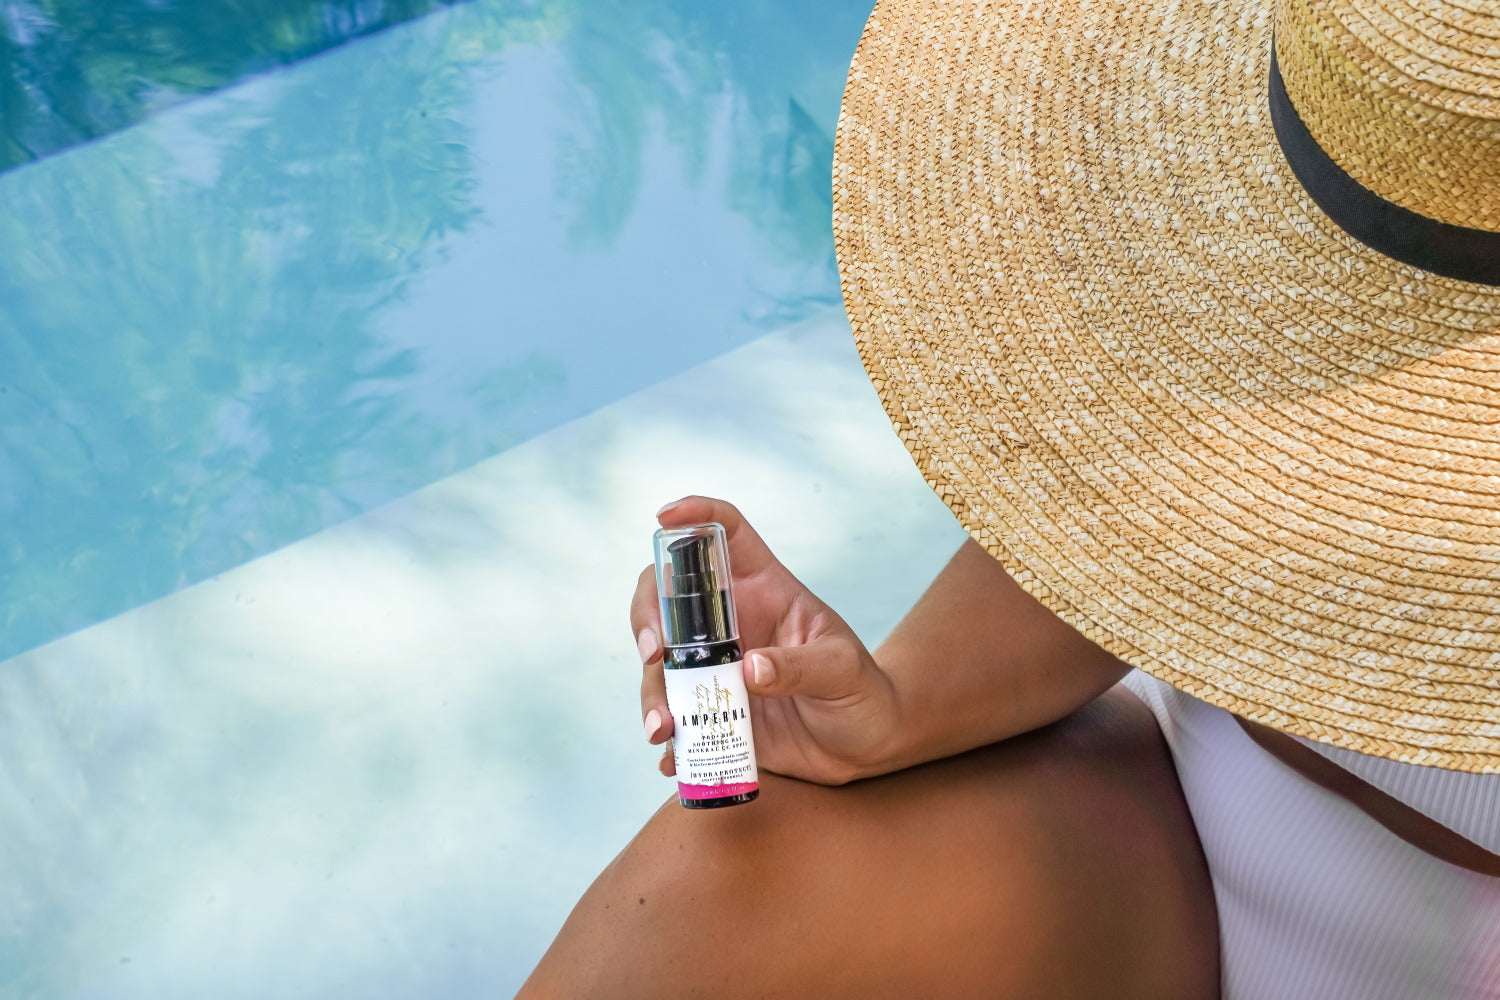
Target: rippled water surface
307, 291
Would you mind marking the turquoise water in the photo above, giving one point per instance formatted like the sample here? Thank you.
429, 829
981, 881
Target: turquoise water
343, 352
247, 291
75, 70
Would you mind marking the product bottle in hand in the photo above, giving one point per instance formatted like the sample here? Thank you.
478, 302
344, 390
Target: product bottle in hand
711, 741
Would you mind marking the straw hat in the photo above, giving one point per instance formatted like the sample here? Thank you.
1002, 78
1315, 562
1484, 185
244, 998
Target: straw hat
1241, 432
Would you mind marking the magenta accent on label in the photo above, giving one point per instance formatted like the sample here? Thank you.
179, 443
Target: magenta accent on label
687, 791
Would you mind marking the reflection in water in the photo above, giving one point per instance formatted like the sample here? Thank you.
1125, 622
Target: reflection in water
74, 70
359, 767
184, 317
672, 61
265, 311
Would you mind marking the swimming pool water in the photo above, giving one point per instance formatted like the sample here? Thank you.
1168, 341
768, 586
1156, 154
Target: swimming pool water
75, 70
338, 385
258, 312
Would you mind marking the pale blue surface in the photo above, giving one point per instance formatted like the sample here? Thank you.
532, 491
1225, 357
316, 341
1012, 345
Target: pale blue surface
334, 407
272, 308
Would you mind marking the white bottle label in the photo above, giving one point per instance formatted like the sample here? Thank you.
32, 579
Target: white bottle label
711, 740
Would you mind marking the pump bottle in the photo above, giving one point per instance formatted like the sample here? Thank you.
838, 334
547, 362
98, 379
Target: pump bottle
711, 740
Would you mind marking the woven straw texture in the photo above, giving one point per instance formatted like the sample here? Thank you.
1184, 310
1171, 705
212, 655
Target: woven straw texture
1212, 431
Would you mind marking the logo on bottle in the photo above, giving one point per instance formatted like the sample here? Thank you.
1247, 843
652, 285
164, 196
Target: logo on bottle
716, 714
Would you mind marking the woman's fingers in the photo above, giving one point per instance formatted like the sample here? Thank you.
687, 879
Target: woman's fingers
748, 553
645, 623
829, 667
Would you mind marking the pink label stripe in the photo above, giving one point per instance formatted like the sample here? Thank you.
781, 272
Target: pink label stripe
715, 791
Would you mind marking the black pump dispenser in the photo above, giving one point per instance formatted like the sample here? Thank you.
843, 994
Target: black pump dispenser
697, 608
692, 579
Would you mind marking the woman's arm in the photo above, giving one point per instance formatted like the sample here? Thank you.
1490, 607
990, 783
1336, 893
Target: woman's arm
977, 660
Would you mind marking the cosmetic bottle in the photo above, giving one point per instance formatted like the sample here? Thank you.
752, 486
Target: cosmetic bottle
711, 741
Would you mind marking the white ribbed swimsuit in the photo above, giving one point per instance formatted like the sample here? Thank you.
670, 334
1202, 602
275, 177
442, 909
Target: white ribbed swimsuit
1318, 901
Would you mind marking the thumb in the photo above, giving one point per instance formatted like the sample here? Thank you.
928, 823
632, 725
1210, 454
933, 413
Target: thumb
828, 667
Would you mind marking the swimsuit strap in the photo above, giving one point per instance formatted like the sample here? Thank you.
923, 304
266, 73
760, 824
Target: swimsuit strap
1416, 828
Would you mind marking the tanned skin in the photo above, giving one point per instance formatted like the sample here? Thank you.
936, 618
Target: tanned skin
974, 809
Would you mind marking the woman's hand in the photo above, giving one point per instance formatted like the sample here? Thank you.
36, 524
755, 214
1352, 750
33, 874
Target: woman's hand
820, 708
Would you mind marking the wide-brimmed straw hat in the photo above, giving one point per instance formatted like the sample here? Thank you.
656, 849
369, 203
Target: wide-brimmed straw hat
1190, 311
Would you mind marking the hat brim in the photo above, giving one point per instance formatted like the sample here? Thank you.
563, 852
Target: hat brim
1216, 434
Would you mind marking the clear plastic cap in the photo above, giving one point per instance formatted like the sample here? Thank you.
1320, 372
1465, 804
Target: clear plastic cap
692, 583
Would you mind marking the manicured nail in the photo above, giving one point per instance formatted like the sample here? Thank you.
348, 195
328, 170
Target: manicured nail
647, 644
667, 507
653, 723
761, 669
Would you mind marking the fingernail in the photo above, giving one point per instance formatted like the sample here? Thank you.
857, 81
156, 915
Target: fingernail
666, 507
653, 723
761, 669
646, 643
